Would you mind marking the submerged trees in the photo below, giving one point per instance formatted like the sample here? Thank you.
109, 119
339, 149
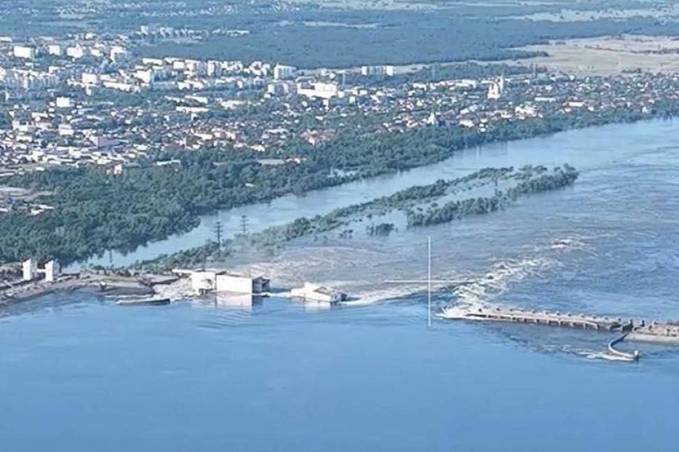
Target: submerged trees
535, 181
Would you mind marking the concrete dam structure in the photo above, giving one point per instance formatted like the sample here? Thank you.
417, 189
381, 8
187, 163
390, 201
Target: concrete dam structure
640, 331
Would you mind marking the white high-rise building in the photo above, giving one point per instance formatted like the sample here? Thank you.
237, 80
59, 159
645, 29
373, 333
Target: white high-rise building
377, 70
119, 54
54, 50
90, 79
76, 52
24, 52
281, 72
495, 89
51, 271
319, 90
30, 268
64, 102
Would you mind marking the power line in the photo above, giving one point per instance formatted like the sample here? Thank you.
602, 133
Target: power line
244, 225
219, 230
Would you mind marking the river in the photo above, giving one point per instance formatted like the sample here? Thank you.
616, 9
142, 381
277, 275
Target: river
587, 148
80, 373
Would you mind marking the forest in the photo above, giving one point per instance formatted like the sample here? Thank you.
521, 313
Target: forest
419, 37
522, 182
95, 211
311, 35
440, 72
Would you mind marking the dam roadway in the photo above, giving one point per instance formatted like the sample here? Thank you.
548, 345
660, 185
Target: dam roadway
641, 331
536, 317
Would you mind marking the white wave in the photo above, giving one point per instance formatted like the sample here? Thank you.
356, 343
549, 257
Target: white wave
487, 288
178, 290
604, 356
365, 297
374, 272
567, 244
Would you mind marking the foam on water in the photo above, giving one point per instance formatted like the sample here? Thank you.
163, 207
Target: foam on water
381, 271
594, 355
384, 294
486, 290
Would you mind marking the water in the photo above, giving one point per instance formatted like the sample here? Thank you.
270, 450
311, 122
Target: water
194, 377
79, 372
588, 148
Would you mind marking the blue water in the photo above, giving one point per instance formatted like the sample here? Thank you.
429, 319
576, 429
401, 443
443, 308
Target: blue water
78, 373
589, 149
90, 376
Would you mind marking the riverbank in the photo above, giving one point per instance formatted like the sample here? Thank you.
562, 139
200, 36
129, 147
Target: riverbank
483, 192
99, 283
585, 148
182, 196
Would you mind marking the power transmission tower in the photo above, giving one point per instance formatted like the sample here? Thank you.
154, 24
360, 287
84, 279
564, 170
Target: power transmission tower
207, 247
219, 230
244, 225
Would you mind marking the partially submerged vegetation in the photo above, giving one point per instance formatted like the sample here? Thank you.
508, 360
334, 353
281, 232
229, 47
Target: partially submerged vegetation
405, 204
458, 209
95, 211
528, 180
394, 123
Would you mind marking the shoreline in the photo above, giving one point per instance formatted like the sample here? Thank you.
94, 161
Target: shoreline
98, 284
95, 259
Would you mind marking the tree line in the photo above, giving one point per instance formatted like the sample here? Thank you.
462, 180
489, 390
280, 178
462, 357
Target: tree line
95, 211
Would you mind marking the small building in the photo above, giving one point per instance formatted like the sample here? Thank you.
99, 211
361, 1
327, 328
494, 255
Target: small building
66, 130
313, 292
222, 281
146, 76
118, 54
243, 284
496, 89
203, 282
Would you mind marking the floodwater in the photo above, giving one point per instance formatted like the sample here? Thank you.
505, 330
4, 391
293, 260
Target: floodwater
587, 149
80, 373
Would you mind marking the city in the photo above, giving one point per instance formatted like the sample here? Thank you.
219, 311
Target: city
89, 101
321, 225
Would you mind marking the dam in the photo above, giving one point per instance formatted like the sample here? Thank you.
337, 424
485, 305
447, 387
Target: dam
631, 330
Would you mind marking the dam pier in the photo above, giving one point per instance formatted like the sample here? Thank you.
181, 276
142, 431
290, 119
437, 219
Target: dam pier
104, 284
628, 330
